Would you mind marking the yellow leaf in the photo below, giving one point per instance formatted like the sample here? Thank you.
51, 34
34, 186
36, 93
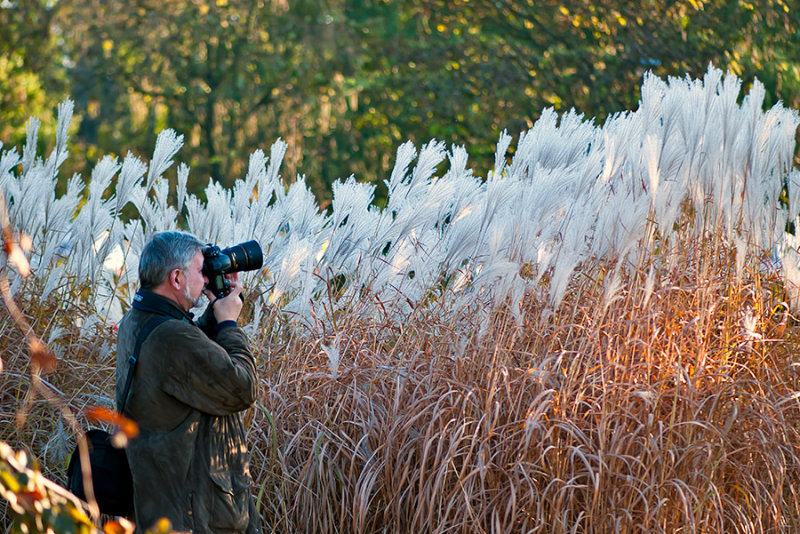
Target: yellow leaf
10, 482
77, 515
162, 526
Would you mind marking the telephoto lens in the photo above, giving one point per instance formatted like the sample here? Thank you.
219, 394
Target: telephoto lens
244, 256
219, 262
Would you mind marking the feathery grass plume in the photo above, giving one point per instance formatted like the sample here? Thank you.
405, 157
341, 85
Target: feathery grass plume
211, 222
293, 235
405, 155
60, 151
406, 202
243, 224
180, 188
256, 169
160, 204
789, 256
130, 176
154, 211
295, 273
167, 145
351, 221
259, 194
333, 354
430, 156
8, 160
91, 222
31, 138
59, 214
300, 211
500, 153
271, 180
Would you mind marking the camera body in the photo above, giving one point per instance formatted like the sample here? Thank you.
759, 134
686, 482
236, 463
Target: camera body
219, 262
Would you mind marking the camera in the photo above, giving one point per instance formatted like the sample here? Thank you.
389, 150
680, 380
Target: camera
219, 262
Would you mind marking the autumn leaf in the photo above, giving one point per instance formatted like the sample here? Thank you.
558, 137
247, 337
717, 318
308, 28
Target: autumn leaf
41, 356
28, 498
119, 526
127, 427
162, 526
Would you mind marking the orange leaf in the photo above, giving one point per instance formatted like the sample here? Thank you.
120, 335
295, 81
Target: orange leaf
119, 526
29, 497
98, 413
126, 426
41, 356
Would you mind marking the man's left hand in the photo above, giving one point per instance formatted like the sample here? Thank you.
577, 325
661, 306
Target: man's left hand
227, 308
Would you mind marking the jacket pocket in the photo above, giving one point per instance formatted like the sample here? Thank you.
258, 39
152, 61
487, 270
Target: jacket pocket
229, 502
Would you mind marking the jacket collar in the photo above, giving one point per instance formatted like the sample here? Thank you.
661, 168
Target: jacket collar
148, 301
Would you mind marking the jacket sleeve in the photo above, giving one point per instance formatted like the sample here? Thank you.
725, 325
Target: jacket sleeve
218, 378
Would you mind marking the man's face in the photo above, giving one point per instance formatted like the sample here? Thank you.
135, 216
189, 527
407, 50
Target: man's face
195, 281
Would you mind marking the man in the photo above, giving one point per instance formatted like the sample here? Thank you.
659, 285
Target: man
189, 462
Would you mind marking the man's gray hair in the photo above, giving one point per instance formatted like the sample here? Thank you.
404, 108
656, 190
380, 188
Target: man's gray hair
165, 252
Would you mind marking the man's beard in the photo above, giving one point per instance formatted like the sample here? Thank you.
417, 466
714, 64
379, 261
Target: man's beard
195, 302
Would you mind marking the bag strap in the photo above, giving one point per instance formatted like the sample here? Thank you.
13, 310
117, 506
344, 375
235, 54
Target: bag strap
148, 327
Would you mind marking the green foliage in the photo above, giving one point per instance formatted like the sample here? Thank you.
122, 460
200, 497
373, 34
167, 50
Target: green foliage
31, 78
37, 504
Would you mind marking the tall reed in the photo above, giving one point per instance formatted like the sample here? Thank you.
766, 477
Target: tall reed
597, 337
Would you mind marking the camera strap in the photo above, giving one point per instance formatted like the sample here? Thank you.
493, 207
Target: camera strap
148, 327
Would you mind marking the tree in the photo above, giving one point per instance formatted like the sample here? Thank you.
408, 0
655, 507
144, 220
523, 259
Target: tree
593, 55
230, 76
32, 77
344, 82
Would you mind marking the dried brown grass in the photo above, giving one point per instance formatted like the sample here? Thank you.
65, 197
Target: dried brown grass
669, 417
664, 416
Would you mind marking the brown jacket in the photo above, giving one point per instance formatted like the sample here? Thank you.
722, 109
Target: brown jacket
190, 461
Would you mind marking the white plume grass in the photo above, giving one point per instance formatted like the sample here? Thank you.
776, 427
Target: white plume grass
689, 163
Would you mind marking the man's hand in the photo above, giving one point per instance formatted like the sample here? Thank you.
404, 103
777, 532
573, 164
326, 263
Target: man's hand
228, 307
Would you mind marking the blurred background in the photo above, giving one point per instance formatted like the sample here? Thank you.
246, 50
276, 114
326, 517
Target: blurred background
345, 82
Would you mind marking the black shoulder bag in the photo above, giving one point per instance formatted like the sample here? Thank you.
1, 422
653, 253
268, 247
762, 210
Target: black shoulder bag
111, 476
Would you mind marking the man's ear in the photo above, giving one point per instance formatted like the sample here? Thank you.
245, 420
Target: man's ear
173, 278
